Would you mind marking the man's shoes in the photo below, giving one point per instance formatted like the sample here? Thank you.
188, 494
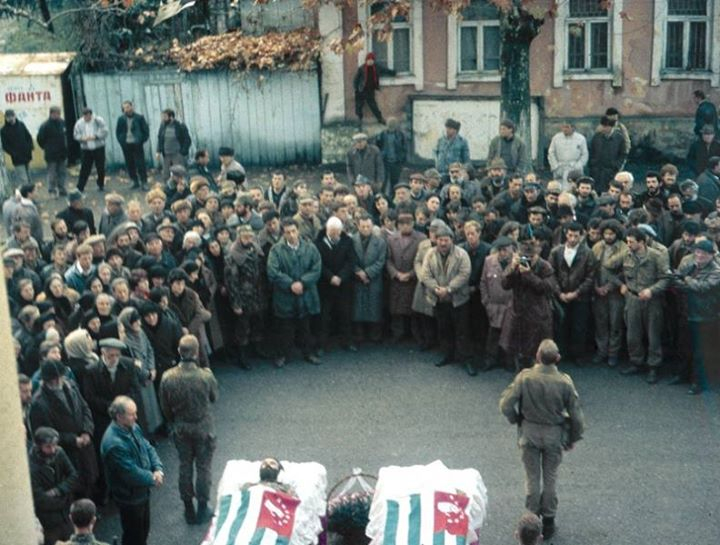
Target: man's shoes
694, 390
101, 189
279, 363
190, 515
204, 513
548, 527
445, 361
314, 360
676, 379
470, 367
630, 370
613, 361
351, 348
652, 377
599, 359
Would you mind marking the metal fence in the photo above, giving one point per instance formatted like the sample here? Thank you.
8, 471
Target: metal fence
269, 118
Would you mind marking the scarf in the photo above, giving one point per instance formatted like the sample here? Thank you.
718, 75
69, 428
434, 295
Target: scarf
372, 81
77, 346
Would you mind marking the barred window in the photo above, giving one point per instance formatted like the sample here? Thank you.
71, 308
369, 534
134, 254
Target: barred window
395, 53
588, 36
479, 38
687, 35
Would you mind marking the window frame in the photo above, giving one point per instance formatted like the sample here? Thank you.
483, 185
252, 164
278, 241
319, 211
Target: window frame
587, 23
613, 72
686, 21
480, 25
661, 18
405, 25
414, 23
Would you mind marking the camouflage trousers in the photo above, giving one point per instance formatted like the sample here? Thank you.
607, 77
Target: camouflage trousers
195, 452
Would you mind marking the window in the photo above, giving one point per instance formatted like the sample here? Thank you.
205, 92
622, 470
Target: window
588, 36
687, 36
394, 53
479, 38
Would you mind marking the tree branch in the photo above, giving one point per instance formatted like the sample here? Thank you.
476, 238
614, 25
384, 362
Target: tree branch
47, 24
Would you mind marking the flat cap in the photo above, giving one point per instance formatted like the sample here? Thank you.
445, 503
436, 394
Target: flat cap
705, 246
707, 129
444, 231
688, 184
112, 343
75, 195
361, 180
537, 210
401, 185
114, 198
498, 162
605, 200
13, 252
178, 170
359, 136
50, 370
226, 151
307, 199
502, 242
531, 185
244, 228
95, 239
46, 436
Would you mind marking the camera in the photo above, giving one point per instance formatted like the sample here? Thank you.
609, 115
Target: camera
524, 261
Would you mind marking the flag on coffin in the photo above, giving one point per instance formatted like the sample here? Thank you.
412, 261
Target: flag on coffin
433, 518
255, 516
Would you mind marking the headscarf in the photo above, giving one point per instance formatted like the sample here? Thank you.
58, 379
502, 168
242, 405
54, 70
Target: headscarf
79, 345
136, 341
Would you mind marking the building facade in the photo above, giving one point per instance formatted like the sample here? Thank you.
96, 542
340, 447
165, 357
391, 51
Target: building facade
643, 58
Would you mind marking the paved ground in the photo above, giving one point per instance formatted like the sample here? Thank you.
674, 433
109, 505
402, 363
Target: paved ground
647, 471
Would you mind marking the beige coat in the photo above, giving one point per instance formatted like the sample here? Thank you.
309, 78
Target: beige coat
420, 303
453, 273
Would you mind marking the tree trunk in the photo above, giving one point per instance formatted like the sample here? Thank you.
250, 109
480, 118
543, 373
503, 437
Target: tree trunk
45, 12
515, 86
518, 28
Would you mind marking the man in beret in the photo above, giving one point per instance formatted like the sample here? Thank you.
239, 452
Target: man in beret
77, 211
113, 215
510, 148
698, 277
365, 158
451, 148
53, 479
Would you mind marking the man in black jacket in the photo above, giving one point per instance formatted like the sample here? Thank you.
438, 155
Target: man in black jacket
173, 142
18, 144
75, 212
607, 154
53, 478
52, 139
59, 405
336, 282
132, 132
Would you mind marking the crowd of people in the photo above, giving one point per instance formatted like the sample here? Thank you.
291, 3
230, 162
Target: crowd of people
481, 264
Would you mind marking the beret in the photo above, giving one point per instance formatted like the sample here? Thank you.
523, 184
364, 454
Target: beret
502, 242
112, 343
705, 246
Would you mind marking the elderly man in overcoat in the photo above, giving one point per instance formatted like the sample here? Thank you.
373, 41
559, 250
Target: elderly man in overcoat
371, 251
402, 247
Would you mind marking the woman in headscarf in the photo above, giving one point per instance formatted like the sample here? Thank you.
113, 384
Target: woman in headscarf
138, 344
62, 299
79, 347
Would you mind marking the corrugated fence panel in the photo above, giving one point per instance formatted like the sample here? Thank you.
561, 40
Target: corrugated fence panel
270, 118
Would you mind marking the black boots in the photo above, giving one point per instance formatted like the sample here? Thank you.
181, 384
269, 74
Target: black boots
548, 527
190, 515
204, 513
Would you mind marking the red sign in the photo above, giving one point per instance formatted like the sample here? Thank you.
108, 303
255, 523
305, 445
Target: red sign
12, 97
450, 514
277, 512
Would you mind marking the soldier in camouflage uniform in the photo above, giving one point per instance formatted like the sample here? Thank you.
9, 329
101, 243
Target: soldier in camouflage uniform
645, 276
245, 280
544, 404
186, 394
